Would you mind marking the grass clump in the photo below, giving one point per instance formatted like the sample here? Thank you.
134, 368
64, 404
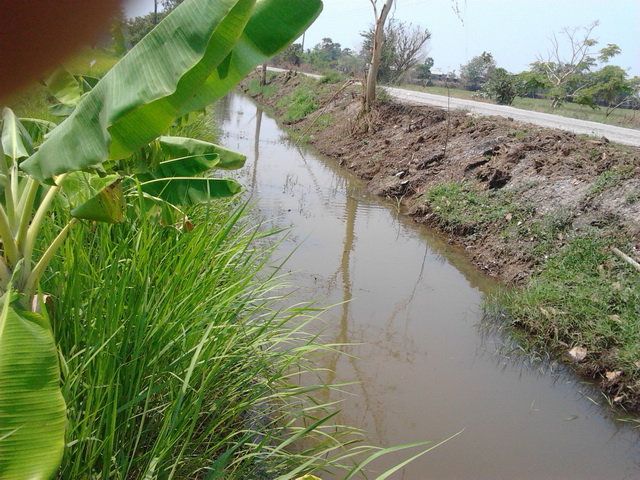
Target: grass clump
267, 91
178, 361
300, 103
610, 178
584, 297
461, 208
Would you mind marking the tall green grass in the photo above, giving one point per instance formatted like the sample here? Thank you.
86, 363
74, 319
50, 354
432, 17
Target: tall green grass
178, 361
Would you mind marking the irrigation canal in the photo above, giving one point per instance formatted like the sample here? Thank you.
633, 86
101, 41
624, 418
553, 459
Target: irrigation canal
424, 367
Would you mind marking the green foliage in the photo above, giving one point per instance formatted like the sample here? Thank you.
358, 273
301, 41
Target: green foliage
477, 71
325, 54
611, 178
610, 87
300, 103
423, 71
193, 57
586, 297
32, 410
460, 208
177, 359
501, 87
331, 76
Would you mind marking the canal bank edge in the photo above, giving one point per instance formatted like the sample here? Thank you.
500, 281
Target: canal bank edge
538, 208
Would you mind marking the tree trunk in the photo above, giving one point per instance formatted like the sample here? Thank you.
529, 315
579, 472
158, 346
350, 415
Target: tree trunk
372, 75
263, 75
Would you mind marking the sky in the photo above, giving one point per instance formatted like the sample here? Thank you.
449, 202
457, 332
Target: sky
515, 32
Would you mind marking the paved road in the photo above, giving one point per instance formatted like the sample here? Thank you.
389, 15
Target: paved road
627, 136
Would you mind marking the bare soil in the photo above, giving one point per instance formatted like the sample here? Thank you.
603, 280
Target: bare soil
404, 151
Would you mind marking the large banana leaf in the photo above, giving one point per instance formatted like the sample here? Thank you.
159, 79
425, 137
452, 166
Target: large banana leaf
190, 191
274, 24
32, 410
201, 44
177, 147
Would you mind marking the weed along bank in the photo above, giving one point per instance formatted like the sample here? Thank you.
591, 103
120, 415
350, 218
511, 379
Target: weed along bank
451, 235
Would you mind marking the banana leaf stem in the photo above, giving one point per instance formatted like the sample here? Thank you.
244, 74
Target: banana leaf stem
36, 223
24, 208
10, 247
47, 256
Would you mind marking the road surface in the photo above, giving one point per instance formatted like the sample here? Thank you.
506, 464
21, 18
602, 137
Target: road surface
627, 136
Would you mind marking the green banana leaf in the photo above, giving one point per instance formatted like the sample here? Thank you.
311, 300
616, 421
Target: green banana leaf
108, 205
64, 87
181, 167
37, 128
177, 147
32, 409
16, 141
161, 78
274, 24
79, 187
190, 191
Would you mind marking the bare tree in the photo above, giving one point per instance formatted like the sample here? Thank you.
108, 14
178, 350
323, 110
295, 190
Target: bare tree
403, 49
376, 52
560, 71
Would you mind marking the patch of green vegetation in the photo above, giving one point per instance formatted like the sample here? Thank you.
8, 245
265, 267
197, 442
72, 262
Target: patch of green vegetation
610, 179
331, 76
544, 233
254, 88
321, 122
586, 297
33, 102
519, 134
174, 342
300, 103
92, 62
461, 208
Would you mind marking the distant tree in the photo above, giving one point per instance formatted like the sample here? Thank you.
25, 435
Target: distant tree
567, 76
501, 86
376, 48
169, 4
325, 54
292, 54
403, 48
609, 87
423, 71
135, 29
477, 71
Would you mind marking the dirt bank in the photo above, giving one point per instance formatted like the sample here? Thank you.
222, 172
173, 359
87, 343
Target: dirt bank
512, 194
588, 182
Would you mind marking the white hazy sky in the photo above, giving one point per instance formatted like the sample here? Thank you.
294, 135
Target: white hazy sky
514, 31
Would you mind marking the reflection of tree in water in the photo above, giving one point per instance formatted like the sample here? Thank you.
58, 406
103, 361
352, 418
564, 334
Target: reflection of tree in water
256, 150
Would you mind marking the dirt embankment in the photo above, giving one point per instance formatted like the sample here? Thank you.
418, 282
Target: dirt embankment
584, 183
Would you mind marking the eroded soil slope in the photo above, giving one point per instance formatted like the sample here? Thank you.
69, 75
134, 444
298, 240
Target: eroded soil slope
527, 175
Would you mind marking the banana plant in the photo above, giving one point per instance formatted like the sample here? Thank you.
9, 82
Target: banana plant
192, 58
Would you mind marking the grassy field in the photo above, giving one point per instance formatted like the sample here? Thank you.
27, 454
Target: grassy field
620, 117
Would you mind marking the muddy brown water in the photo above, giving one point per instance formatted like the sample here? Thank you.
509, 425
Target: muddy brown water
424, 368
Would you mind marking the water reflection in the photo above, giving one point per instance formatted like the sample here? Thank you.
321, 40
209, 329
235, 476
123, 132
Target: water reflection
410, 305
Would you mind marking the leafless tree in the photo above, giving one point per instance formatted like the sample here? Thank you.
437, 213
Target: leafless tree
376, 52
560, 70
377, 44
